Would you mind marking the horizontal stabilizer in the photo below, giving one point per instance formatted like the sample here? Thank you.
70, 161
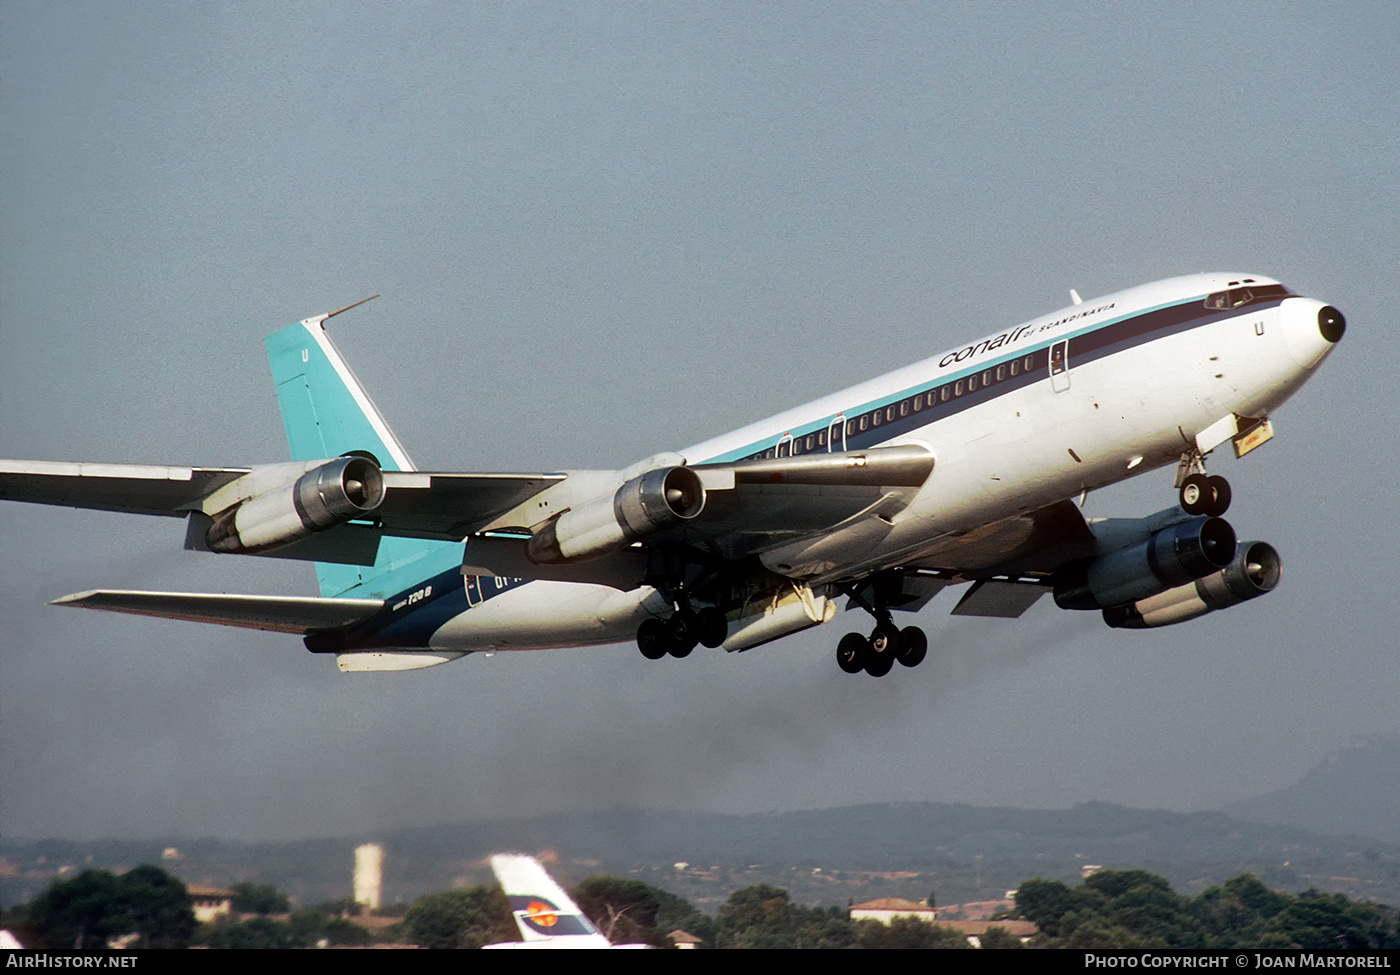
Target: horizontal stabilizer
283, 614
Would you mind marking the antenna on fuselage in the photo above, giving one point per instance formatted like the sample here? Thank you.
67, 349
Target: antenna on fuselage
1073, 296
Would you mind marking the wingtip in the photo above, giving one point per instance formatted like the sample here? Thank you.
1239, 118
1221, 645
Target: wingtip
74, 599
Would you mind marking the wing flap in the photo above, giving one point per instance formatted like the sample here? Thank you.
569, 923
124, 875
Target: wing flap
281, 614
999, 598
450, 506
1036, 543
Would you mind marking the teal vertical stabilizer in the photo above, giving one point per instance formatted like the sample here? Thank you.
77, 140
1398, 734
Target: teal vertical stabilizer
327, 414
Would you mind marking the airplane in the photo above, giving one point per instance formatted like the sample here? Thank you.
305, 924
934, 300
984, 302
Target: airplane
962, 468
546, 916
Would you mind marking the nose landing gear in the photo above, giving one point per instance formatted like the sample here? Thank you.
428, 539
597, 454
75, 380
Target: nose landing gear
1202, 495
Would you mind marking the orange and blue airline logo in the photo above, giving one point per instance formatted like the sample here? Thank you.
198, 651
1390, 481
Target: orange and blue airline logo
544, 916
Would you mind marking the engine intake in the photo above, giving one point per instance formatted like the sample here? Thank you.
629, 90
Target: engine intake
643, 506
1255, 571
326, 496
1170, 557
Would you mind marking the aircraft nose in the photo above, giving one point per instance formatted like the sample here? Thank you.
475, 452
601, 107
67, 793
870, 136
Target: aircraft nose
1310, 330
1331, 323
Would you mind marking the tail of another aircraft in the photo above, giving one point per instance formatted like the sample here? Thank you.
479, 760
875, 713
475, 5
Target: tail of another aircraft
547, 917
327, 414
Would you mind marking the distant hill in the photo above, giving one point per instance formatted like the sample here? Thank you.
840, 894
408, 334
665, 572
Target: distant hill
1353, 791
961, 853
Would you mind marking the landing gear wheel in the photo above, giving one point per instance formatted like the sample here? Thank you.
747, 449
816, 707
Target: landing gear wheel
851, 653
651, 639
883, 639
1220, 492
1196, 494
911, 647
880, 666
680, 634
711, 627
880, 649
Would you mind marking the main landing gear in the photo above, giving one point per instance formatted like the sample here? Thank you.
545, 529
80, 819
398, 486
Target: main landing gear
1201, 494
675, 573
877, 653
679, 634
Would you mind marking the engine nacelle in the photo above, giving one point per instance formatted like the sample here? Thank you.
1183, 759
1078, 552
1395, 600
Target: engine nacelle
641, 507
1255, 571
1171, 557
326, 496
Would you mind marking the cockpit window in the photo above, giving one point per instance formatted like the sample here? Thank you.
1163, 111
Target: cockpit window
1237, 297
1233, 298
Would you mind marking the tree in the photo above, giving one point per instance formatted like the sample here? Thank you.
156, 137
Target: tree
80, 913
999, 938
257, 932
95, 907
631, 911
908, 932
1232, 915
304, 929
763, 917
624, 910
158, 908
1137, 909
465, 918
251, 898
1046, 902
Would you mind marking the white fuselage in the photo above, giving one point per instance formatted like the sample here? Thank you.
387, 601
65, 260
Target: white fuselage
1077, 422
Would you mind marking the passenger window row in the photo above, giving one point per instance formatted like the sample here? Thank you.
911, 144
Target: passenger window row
834, 437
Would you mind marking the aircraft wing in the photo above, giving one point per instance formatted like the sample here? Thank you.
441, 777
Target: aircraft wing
452, 506
1009, 564
416, 504
752, 502
144, 490
763, 502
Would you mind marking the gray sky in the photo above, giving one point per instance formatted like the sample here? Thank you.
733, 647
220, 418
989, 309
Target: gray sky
608, 229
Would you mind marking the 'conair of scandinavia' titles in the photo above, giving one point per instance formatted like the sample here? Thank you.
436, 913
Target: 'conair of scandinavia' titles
958, 470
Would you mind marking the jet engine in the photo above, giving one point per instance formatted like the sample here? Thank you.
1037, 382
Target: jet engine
1255, 571
326, 496
1172, 556
643, 506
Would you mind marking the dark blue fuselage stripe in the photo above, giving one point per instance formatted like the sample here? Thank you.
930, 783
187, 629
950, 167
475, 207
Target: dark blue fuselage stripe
1086, 347
412, 625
